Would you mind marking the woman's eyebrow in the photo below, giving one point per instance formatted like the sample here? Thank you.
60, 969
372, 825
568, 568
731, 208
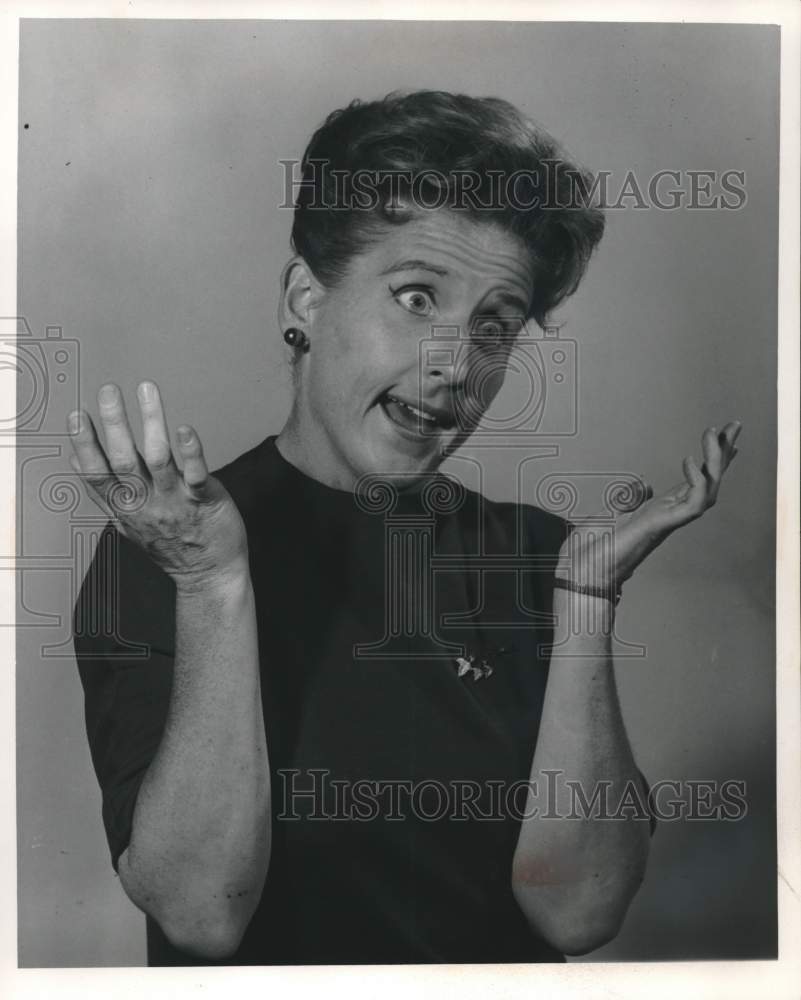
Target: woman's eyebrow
504, 297
513, 301
414, 265
502, 300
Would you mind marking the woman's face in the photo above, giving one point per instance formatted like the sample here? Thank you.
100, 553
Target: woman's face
383, 388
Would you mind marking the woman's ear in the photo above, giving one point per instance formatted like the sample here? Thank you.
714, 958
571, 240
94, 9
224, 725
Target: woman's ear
300, 293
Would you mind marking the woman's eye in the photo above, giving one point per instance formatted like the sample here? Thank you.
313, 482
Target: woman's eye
496, 332
415, 300
492, 329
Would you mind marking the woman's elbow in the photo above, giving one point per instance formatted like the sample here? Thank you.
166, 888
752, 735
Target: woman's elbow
194, 919
573, 924
213, 939
580, 935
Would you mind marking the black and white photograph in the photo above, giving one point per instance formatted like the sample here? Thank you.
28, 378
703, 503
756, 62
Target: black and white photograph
400, 487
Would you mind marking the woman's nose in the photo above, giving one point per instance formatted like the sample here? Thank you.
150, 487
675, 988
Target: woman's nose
458, 359
440, 354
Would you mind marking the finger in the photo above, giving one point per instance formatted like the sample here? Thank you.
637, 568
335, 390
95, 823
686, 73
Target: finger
88, 460
156, 448
682, 490
727, 438
732, 431
713, 456
696, 499
123, 458
92, 463
195, 470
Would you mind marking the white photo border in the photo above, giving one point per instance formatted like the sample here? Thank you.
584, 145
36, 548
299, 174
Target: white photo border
742, 979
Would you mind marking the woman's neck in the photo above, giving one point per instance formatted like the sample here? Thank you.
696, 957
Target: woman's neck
314, 457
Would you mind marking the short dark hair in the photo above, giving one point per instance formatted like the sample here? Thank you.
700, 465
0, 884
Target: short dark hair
441, 139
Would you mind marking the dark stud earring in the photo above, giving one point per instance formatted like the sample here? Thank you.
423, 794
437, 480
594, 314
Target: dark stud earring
297, 339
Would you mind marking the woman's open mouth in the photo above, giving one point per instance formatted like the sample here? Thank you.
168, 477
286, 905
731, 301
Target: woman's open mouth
421, 421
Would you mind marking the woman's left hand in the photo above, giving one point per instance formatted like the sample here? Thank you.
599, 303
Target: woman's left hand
606, 559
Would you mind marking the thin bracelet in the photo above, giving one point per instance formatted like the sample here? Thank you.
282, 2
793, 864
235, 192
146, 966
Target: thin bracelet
607, 593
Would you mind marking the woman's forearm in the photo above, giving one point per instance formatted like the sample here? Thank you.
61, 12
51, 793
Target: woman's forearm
575, 877
200, 843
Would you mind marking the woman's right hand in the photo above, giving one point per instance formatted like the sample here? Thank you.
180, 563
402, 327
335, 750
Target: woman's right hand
184, 518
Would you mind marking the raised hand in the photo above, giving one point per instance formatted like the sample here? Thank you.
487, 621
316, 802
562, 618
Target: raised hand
606, 560
183, 518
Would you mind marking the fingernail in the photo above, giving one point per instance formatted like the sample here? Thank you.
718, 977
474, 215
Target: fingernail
147, 391
184, 435
108, 394
74, 420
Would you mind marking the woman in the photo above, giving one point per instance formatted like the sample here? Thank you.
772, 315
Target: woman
274, 769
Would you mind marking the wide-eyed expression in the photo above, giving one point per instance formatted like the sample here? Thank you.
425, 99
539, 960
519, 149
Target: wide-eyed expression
410, 348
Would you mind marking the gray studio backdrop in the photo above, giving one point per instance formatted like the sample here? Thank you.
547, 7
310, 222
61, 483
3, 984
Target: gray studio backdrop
149, 233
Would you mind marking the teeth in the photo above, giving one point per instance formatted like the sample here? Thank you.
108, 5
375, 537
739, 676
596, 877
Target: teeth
413, 409
419, 413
